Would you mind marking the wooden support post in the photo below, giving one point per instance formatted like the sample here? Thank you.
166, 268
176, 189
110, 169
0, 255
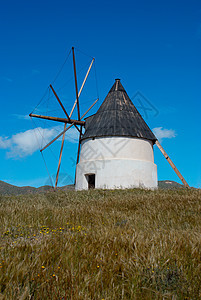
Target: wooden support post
78, 152
60, 156
76, 88
172, 164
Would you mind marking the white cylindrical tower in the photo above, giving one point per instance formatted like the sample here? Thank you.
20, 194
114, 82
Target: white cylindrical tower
117, 147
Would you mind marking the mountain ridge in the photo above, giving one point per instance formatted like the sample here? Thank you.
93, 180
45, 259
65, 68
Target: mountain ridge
9, 189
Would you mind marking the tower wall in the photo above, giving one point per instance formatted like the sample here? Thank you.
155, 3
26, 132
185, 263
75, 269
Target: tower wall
117, 162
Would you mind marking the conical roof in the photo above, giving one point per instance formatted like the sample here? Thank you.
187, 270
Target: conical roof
117, 116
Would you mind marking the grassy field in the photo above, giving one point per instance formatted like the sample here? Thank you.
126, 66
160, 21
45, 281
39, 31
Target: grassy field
128, 244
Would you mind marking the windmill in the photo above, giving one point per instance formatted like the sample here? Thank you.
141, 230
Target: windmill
77, 123
116, 148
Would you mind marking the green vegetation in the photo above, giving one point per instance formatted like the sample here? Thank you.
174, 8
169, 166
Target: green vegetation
128, 244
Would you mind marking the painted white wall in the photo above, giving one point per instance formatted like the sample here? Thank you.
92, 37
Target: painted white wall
117, 162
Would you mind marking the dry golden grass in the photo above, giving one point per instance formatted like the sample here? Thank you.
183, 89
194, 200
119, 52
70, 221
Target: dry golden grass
128, 244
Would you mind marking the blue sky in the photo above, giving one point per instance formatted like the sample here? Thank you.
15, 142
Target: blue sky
153, 46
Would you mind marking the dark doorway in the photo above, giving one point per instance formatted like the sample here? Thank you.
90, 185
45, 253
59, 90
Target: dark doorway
91, 181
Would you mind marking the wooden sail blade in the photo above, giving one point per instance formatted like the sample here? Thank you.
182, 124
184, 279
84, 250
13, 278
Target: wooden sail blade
56, 138
76, 88
89, 108
172, 164
60, 156
62, 120
60, 102
84, 81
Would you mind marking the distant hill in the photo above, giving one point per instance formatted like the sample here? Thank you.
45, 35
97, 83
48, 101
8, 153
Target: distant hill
9, 189
169, 184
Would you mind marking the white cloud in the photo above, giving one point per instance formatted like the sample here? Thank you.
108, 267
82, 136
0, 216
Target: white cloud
26, 143
4, 142
162, 133
72, 135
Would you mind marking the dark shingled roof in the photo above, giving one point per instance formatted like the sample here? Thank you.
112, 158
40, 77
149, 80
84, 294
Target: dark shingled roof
117, 116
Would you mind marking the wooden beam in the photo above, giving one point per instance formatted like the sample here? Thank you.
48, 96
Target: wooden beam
62, 120
86, 76
58, 136
60, 102
60, 156
89, 108
172, 164
76, 88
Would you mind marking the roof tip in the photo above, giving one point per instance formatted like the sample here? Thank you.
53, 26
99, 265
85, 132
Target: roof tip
117, 86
